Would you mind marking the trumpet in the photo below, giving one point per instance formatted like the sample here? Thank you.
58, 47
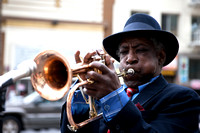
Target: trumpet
52, 76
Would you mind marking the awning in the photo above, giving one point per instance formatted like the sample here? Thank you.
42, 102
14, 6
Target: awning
170, 69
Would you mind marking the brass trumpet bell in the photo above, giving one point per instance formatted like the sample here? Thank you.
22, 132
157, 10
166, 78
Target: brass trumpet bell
53, 76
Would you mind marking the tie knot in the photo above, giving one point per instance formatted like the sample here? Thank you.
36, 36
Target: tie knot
131, 91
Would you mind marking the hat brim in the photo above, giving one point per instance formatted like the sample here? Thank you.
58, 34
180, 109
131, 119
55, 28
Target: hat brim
111, 43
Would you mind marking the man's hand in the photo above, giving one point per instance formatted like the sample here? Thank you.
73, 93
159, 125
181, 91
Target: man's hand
104, 82
86, 60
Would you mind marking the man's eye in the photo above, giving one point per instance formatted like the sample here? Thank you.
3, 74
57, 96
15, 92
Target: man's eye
141, 50
122, 52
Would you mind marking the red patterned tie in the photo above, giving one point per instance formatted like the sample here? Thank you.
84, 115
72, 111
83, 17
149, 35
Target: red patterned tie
131, 91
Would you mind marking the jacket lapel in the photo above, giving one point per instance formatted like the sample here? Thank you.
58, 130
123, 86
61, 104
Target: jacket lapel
151, 90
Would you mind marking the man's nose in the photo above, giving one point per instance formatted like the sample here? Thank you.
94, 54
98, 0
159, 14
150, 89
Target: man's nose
131, 58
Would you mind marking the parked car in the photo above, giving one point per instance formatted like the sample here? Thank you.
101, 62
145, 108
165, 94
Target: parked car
32, 112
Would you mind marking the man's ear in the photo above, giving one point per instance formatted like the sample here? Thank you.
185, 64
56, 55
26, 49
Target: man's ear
161, 57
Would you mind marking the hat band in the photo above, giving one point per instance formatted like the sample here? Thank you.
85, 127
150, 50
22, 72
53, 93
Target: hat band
138, 26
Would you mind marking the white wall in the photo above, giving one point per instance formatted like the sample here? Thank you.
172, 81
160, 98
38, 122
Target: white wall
24, 40
26, 43
74, 10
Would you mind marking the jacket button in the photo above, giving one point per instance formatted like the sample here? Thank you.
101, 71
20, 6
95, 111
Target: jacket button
107, 107
117, 127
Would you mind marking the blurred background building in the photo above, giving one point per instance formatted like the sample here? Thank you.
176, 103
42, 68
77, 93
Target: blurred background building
29, 27
32, 26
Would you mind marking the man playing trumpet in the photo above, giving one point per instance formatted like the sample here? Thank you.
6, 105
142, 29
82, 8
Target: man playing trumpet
146, 102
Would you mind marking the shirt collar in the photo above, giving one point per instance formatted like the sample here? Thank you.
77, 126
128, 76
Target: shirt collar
141, 87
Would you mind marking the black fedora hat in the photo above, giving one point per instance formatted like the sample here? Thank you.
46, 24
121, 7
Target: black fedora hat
143, 25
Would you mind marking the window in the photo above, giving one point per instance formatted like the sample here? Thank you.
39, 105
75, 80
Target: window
195, 28
169, 23
194, 72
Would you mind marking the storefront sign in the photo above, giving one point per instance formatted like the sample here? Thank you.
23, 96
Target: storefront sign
183, 70
170, 69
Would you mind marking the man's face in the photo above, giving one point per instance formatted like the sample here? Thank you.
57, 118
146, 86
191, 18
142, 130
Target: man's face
139, 54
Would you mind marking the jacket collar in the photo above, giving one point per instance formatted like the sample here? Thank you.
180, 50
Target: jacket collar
151, 90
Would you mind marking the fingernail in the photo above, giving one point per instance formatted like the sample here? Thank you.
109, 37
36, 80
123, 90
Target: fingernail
84, 89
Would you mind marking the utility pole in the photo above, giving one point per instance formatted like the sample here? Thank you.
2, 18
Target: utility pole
107, 16
1, 68
1, 42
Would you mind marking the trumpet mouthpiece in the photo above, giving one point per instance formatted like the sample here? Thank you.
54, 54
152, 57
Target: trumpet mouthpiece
124, 73
130, 71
